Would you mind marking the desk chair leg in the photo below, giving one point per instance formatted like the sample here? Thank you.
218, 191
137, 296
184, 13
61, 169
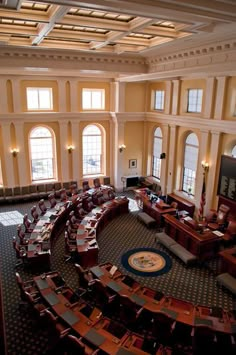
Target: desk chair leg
67, 258
19, 263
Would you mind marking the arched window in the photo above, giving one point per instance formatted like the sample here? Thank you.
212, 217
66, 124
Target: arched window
157, 148
190, 163
42, 154
92, 150
234, 152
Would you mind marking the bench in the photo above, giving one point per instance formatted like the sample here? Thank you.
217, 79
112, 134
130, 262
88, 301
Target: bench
227, 281
146, 219
177, 249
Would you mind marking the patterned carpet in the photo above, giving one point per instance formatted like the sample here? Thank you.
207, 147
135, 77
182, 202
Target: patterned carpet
25, 336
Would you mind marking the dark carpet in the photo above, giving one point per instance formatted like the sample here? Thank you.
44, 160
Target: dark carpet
25, 336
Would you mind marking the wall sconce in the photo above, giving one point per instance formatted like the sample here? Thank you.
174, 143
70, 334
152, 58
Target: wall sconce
205, 166
122, 147
70, 148
14, 152
162, 155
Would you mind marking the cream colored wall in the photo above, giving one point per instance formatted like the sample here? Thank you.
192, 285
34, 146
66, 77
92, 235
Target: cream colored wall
135, 97
134, 140
230, 101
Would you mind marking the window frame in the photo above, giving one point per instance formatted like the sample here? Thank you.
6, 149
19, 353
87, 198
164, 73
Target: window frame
53, 158
101, 135
156, 158
161, 100
92, 91
190, 189
38, 89
196, 101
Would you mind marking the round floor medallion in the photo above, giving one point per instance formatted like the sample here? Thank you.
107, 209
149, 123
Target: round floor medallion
146, 261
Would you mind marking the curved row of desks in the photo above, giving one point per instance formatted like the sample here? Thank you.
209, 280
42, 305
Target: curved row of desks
88, 323
180, 310
52, 223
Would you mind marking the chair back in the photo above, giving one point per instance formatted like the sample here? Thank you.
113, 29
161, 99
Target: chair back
26, 221
52, 200
42, 206
222, 214
63, 195
34, 214
204, 340
83, 276
20, 233
96, 182
85, 185
162, 327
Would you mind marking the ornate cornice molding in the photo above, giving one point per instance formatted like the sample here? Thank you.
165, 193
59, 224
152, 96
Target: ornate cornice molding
196, 55
70, 59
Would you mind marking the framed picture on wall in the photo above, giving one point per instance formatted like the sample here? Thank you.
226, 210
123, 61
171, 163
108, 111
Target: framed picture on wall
133, 163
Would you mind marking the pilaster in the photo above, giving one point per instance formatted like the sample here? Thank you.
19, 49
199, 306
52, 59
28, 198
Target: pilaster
3, 96
175, 97
171, 159
209, 97
61, 95
64, 152
22, 168
77, 153
220, 97
9, 166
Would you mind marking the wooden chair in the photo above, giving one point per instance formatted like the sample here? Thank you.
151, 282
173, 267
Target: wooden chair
29, 226
204, 340
42, 206
96, 183
70, 248
85, 185
229, 236
104, 299
162, 328
78, 347
57, 328
34, 214
23, 237
27, 286
129, 312
37, 304
63, 195
21, 253
52, 200
219, 218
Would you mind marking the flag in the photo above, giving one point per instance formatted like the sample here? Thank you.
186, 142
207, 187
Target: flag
203, 200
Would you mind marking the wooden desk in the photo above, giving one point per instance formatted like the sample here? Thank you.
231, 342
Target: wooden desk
155, 210
228, 261
204, 246
180, 310
182, 203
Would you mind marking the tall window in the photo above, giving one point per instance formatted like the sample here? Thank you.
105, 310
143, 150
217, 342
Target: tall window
157, 148
195, 100
92, 150
190, 163
42, 154
39, 98
234, 152
93, 99
159, 100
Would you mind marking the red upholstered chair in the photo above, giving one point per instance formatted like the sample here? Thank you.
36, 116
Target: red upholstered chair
85, 277
85, 185
70, 248
219, 219
52, 200
73, 189
163, 326
36, 303
229, 236
71, 232
34, 214
20, 252
74, 222
77, 346
129, 312
63, 195
88, 204
204, 340
23, 237
42, 206
29, 226
27, 286
105, 299
55, 325
96, 182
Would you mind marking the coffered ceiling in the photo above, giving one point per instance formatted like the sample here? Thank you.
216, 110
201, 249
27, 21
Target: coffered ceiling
138, 28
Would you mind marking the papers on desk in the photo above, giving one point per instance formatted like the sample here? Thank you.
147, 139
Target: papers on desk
113, 270
92, 242
187, 218
218, 233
